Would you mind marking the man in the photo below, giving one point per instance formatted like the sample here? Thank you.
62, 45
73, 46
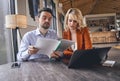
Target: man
27, 51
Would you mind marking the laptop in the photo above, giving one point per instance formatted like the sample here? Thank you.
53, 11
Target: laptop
88, 58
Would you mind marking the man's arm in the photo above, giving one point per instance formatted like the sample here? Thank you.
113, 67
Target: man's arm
23, 51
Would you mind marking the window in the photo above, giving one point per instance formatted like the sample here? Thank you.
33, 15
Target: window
5, 35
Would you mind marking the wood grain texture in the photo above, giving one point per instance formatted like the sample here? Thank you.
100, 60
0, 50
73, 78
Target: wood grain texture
47, 71
92, 6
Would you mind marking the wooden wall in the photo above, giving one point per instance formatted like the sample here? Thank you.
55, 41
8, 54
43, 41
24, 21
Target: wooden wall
92, 6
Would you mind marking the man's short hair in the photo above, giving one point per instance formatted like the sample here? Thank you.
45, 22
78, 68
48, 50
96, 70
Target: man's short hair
45, 10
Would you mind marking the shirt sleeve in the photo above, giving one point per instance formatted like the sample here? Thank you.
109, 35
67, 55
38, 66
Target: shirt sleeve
23, 49
23, 56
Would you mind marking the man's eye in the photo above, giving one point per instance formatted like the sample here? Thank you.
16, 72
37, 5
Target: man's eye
44, 18
50, 19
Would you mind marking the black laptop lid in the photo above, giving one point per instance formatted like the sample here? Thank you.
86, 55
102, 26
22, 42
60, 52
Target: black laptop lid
86, 58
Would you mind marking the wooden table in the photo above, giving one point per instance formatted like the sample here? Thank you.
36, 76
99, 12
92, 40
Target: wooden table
57, 71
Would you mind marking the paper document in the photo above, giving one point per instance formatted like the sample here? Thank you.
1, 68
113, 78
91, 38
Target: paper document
47, 46
109, 63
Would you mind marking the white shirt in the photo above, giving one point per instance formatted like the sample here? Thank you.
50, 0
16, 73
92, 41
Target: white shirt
30, 38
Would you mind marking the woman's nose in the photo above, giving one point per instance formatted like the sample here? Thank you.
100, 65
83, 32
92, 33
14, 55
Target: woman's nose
72, 23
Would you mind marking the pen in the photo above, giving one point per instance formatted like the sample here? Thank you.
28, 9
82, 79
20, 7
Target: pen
32, 47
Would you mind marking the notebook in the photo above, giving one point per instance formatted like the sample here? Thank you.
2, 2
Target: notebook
86, 58
64, 44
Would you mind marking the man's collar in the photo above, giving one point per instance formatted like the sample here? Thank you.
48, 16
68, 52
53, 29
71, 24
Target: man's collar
39, 33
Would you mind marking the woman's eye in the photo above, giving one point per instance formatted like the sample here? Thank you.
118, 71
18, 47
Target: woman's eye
74, 21
70, 20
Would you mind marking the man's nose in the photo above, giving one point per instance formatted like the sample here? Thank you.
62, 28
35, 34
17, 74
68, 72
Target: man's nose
47, 20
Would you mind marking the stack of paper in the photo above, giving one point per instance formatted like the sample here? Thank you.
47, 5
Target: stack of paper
47, 46
109, 63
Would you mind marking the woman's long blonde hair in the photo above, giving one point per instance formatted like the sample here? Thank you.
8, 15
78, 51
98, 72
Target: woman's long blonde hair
75, 14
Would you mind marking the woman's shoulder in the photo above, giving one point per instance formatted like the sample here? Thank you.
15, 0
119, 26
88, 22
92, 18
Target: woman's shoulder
85, 28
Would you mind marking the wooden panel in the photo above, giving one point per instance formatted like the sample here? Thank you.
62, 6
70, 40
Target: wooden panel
93, 6
107, 6
56, 71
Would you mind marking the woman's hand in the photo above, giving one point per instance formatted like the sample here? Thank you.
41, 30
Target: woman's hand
32, 50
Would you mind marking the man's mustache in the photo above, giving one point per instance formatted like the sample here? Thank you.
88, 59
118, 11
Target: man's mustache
47, 23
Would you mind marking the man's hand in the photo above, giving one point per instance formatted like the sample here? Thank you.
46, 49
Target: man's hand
32, 50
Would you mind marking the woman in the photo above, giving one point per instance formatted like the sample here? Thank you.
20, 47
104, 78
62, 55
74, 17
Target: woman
76, 30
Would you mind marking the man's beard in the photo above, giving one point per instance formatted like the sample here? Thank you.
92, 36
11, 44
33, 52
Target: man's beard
46, 25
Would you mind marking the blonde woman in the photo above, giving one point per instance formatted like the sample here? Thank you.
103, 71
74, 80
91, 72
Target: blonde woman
76, 30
